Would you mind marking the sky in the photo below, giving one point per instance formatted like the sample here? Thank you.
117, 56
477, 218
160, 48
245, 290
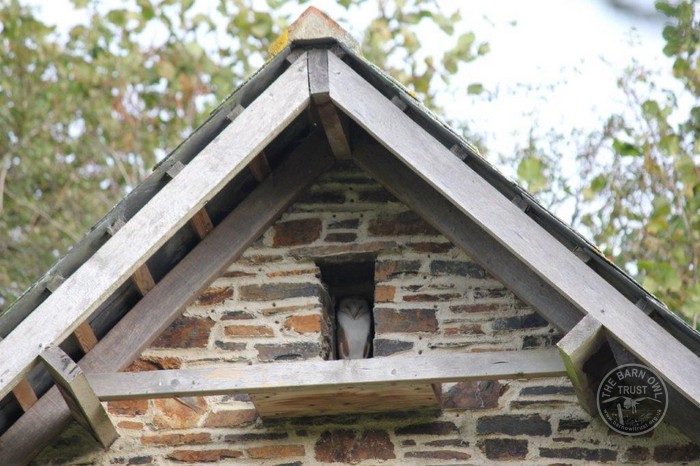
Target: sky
553, 63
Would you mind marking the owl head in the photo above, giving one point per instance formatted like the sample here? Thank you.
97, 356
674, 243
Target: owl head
354, 306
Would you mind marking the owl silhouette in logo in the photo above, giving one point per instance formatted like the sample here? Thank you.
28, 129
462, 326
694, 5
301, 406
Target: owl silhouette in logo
354, 323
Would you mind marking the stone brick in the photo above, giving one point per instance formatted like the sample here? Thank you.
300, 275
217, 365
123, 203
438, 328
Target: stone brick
384, 294
127, 407
677, 453
322, 197
637, 454
546, 390
539, 341
271, 311
186, 332
376, 196
174, 440
405, 223
231, 418
475, 308
203, 456
296, 232
429, 428
473, 395
384, 347
130, 425
237, 315
342, 249
405, 320
602, 455
504, 449
340, 237
229, 346
248, 331
276, 291
276, 451
519, 322
141, 365
531, 424
237, 274
257, 259
304, 324
431, 297
542, 404
287, 351
458, 268
215, 295
464, 329
490, 293
385, 270
255, 437
572, 424
455, 442
439, 455
178, 413
293, 273
353, 446
408, 443
349, 224
431, 247
163, 362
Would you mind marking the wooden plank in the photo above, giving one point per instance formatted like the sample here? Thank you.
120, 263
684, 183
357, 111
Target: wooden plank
85, 337
528, 241
79, 396
143, 279
201, 223
24, 394
306, 376
159, 308
576, 348
319, 89
151, 226
347, 399
413, 191
260, 167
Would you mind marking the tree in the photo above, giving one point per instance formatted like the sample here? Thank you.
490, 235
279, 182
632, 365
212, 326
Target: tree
638, 189
84, 117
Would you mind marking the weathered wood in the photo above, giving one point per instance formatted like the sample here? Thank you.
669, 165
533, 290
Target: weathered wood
531, 243
347, 399
260, 167
54, 282
201, 223
85, 337
24, 394
159, 308
330, 120
576, 348
79, 396
413, 191
143, 279
400, 104
309, 376
157, 221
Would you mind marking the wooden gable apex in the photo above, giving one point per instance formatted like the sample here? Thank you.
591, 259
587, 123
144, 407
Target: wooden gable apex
397, 148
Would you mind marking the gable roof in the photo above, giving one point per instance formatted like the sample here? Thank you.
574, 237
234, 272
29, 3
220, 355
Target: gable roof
398, 142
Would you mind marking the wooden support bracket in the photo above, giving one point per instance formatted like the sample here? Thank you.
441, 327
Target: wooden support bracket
260, 167
330, 119
79, 396
200, 222
577, 346
85, 337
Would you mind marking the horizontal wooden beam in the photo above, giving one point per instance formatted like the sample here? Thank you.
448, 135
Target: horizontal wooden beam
79, 395
413, 191
576, 348
178, 288
315, 375
90, 285
507, 224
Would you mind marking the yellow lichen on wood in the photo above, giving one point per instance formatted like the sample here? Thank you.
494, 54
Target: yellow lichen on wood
279, 44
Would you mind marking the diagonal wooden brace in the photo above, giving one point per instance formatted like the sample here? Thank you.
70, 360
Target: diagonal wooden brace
79, 395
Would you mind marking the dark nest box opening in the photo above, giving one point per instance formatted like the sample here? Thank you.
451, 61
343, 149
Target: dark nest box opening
344, 281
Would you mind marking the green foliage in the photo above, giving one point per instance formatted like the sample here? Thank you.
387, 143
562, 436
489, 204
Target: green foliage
639, 177
84, 118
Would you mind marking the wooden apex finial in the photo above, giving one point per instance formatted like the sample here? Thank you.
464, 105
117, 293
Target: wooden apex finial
313, 24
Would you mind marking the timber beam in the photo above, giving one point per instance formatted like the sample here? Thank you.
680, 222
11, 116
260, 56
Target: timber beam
79, 395
576, 348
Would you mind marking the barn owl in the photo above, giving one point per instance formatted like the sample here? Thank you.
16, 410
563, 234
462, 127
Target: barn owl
354, 328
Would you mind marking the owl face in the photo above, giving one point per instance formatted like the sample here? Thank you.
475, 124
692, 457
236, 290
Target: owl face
353, 306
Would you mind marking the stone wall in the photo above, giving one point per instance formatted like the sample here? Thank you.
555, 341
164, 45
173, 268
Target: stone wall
429, 298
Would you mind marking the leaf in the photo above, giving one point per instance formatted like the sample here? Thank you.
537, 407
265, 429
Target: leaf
531, 170
476, 88
626, 148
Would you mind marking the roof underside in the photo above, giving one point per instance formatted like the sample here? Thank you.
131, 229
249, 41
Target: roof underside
296, 134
